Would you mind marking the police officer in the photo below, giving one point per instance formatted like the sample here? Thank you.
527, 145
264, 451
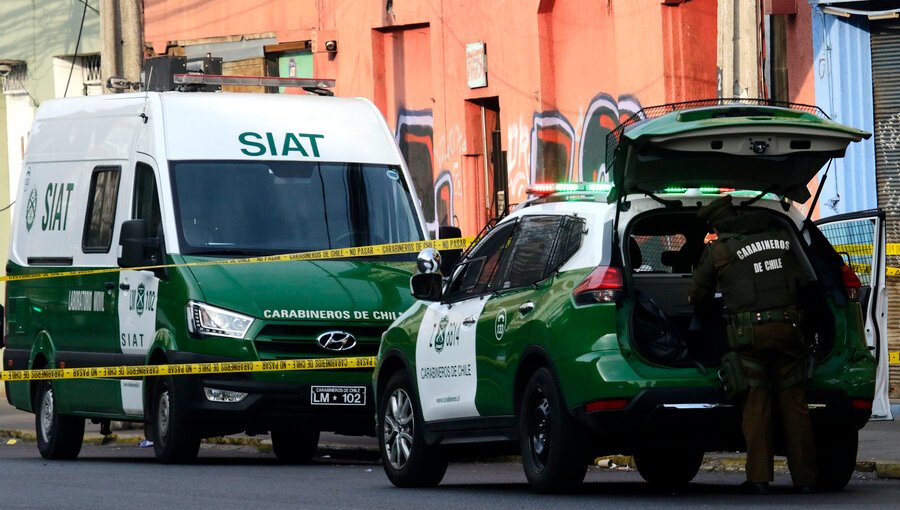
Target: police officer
756, 266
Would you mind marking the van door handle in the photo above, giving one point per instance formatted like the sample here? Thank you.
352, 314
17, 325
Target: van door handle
526, 307
469, 321
124, 286
109, 285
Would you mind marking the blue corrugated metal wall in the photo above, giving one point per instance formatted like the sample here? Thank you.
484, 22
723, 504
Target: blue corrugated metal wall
843, 74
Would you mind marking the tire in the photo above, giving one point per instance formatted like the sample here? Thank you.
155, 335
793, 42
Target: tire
59, 437
294, 443
553, 450
175, 440
668, 469
836, 458
407, 460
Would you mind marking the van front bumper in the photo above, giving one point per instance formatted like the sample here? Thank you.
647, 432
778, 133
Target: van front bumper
269, 404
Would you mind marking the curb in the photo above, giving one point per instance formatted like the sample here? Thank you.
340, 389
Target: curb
713, 463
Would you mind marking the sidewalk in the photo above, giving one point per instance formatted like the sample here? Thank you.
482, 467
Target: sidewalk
879, 443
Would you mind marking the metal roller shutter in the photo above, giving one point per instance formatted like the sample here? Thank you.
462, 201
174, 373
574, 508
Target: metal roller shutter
886, 88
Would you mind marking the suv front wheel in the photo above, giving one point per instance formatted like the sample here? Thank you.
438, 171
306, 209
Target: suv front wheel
407, 460
549, 437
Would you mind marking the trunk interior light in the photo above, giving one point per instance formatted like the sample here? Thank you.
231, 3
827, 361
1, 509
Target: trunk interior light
706, 190
851, 282
603, 285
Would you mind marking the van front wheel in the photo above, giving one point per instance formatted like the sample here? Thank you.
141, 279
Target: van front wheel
175, 441
294, 443
58, 437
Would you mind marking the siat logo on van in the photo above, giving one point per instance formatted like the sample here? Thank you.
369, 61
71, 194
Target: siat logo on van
256, 144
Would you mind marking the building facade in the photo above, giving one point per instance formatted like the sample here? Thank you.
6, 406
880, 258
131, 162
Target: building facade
484, 97
39, 61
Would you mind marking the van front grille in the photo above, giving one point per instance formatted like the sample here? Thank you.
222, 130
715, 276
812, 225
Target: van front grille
276, 342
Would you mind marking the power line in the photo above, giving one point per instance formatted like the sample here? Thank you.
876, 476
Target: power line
88, 6
77, 43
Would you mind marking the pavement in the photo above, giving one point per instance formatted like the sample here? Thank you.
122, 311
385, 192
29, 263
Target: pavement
879, 443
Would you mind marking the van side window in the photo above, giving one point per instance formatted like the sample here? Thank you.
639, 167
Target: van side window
146, 199
101, 210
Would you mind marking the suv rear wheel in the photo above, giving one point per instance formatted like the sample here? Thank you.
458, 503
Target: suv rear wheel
549, 437
668, 468
836, 457
407, 460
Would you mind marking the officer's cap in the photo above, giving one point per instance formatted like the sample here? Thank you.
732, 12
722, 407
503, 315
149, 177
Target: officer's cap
718, 210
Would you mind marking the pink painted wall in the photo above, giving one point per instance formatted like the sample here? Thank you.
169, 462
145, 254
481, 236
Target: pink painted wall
561, 72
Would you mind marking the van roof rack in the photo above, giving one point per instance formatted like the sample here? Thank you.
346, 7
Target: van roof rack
312, 85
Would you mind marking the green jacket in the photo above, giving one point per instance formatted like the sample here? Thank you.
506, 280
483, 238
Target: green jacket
755, 263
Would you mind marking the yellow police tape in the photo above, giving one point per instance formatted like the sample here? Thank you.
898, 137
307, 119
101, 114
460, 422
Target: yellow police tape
223, 367
188, 369
458, 243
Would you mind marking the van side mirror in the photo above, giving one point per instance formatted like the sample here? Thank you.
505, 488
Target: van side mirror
449, 258
138, 249
426, 286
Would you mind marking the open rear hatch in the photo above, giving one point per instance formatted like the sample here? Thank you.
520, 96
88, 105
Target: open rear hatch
768, 149
740, 146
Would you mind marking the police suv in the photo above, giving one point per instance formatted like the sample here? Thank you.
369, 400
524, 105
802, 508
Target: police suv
565, 331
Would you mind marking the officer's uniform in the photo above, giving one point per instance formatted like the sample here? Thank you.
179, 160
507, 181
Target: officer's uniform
757, 270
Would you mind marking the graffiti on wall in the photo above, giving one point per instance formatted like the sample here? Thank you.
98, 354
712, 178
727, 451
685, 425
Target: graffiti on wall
554, 140
415, 138
546, 147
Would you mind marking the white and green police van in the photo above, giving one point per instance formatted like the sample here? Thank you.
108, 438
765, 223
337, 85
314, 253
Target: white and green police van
141, 179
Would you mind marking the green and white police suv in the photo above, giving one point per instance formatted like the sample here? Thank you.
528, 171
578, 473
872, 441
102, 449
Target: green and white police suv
141, 179
565, 332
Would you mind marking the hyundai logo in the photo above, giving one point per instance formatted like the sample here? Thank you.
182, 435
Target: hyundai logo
336, 341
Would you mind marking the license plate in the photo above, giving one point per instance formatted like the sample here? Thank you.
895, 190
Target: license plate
337, 395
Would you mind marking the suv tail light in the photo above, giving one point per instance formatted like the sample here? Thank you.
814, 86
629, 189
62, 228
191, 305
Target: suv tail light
851, 282
603, 285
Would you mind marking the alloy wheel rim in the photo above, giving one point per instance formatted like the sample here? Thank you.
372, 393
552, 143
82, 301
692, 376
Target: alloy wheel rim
162, 415
539, 427
47, 415
398, 428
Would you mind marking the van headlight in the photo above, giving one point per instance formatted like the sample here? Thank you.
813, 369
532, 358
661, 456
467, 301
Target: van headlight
206, 320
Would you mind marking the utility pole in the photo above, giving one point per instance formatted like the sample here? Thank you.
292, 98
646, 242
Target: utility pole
738, 49
121, 28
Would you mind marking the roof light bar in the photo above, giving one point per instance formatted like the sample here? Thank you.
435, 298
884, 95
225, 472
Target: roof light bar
547, 188
259, 81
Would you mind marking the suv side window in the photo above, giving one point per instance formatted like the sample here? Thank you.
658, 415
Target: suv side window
474, 274
101, 210
146, 199
541, 245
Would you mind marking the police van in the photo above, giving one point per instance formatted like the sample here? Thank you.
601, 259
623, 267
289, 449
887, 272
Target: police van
170, 178
565, 331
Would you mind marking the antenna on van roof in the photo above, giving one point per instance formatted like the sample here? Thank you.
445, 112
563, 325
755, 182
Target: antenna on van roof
311, 85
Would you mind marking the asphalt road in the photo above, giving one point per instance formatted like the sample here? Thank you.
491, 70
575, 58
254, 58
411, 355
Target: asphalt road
245, 478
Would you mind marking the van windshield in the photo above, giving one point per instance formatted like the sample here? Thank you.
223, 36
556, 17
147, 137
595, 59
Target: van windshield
256, 207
